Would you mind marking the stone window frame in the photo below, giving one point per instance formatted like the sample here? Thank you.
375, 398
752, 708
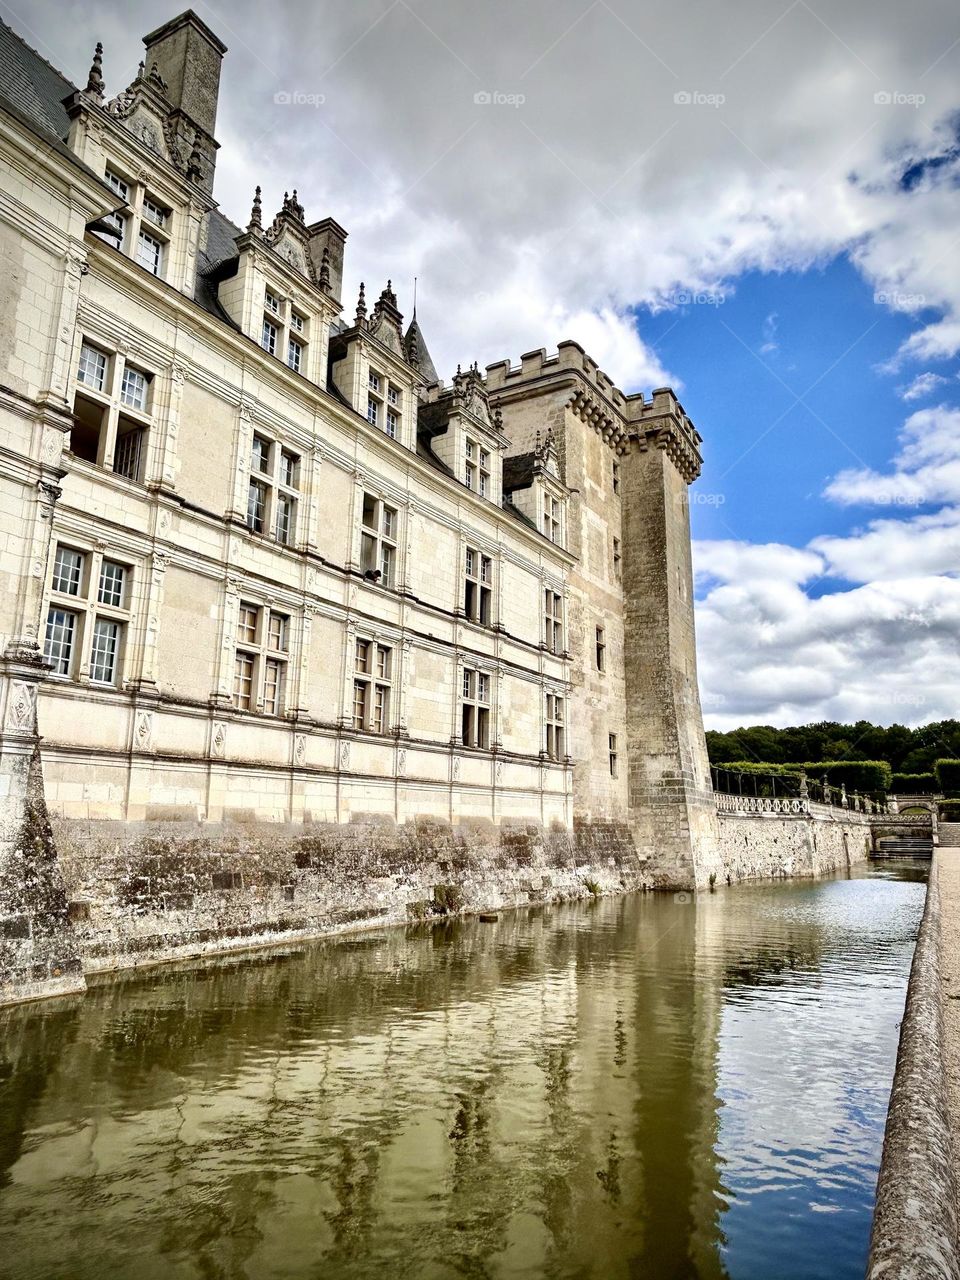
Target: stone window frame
278, 489
477, 466
616, 477
262, 658
478, 597
384, 403
89, 605
555, 725
613, 754
100, 407
381, 537
600, 653
372, 681
554, 621
290, 326
617, 558
477, 704
139, 219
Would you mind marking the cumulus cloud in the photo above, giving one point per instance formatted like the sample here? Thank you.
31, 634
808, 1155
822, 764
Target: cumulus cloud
923, 385
926, 467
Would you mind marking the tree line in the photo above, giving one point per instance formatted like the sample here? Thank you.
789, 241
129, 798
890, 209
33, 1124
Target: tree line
909, 751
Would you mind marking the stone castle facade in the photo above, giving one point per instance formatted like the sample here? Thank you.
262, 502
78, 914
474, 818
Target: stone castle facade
276, 602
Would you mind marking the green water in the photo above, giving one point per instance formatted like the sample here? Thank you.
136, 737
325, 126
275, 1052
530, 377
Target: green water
638, 1087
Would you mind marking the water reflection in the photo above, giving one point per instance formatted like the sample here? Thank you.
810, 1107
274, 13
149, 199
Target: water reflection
637, 1087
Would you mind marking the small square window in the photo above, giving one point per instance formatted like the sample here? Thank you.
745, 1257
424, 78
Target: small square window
297, 323
92, 369
133, 388
112, 582
117, 184
67, 571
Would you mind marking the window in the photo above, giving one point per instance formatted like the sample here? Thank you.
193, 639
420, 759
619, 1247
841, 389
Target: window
112, 581
271, 302
67, 571
601, 649
260, 664
393, 395
103, 653
117, 184
477, 467
555, 734
374, 381
475, 715
297, 323
256, 506
272, 491
617, 560
378, 540
551, 517
477, 586
269, 336
373, 668
553, 619
373, 410
616, 477
149, 252
61, 632
260, 455
393, 424
92, 370
154, 212
129, 453
133, 388
612, 745
294, 354
89, 635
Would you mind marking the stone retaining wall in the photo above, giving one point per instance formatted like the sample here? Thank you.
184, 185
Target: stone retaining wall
148, 892
759, 845
915, 1221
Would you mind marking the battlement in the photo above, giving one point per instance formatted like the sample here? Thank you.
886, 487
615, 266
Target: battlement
570, 357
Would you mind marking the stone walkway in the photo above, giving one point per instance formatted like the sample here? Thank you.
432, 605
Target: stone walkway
948, 870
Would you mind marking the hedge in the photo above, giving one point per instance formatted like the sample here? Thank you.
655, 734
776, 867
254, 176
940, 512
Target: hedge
864, 776
950, 810
915, 784
948, 774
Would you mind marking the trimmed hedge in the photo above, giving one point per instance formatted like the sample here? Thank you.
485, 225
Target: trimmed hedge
915, 784
948, 774
866, 776
950, 810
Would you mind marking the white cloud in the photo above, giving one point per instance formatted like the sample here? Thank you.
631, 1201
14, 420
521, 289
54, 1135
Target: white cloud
923, 385
926, 467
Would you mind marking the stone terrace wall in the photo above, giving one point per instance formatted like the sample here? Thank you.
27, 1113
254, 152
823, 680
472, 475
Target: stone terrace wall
758, 845
147, 892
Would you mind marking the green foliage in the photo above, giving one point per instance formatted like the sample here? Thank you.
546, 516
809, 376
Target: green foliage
759, 766
865, 776
950, 810
948, 775
905, 750
915, 784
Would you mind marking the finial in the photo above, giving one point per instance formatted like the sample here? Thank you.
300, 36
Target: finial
194, 171
95, 78
414, 297
361, 306
255, 223
141, 68
324, 280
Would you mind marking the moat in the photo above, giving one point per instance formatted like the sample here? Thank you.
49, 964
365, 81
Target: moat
643, 1086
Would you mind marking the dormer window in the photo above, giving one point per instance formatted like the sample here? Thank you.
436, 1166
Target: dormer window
269, 337
477, 467
144, 229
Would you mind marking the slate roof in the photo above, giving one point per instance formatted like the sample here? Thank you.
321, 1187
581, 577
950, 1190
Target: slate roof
518, 471
426, 365
32, 86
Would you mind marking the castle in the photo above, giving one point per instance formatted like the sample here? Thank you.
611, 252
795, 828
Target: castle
302, 632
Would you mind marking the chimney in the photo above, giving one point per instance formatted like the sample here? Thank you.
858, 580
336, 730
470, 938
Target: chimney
328, 235
188, 56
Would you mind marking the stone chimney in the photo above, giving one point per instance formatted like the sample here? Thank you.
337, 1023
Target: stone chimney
188, 56
328, 235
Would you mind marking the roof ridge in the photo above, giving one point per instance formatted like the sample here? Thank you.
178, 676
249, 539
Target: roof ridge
37, 54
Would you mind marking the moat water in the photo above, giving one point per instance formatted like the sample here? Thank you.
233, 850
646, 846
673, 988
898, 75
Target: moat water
636, 1087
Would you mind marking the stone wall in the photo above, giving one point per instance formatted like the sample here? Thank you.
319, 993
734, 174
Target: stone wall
760, 845
147, 892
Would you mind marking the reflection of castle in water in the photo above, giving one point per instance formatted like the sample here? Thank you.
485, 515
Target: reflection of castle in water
538, 1097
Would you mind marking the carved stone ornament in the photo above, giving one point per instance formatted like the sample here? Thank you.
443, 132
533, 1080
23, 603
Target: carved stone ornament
22, 707
219, 739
